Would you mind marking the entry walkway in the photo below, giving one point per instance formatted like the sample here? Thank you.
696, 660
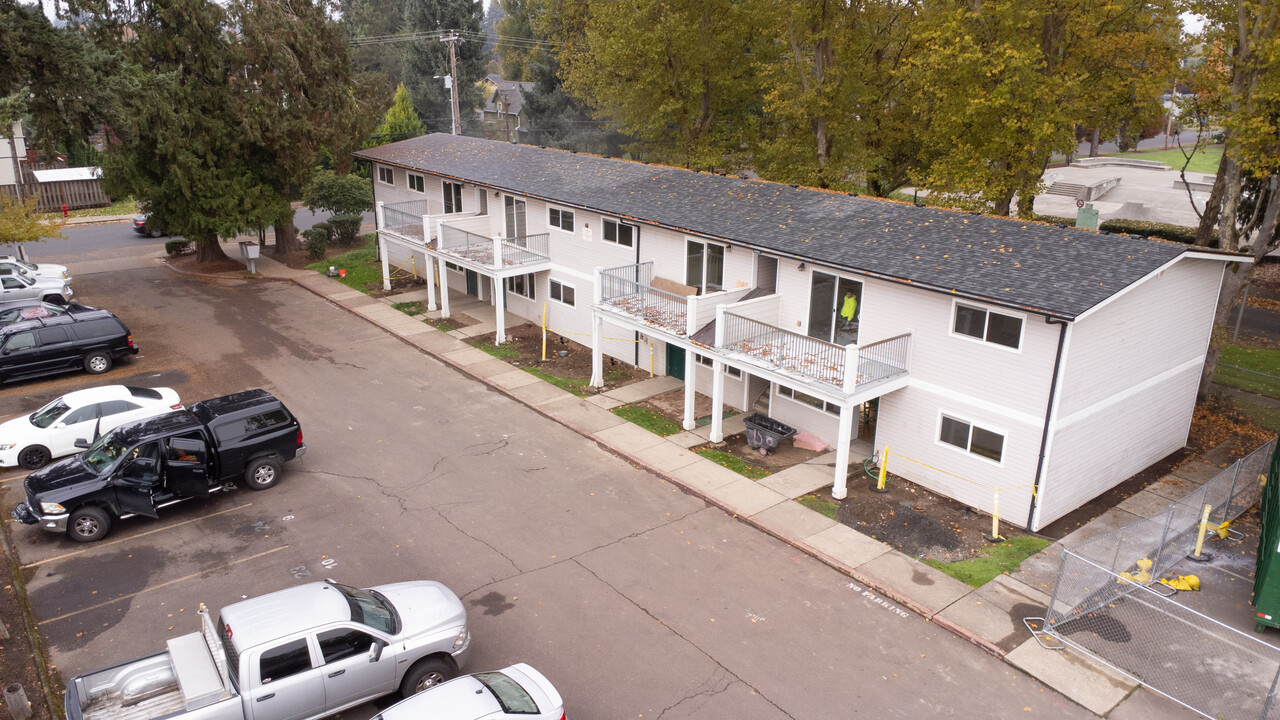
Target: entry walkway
989, 617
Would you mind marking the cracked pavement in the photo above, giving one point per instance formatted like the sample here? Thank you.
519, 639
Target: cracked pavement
634, 598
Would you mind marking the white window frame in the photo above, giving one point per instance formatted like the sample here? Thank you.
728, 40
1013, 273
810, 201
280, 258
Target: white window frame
729, 370
482, 201
784, 391
453, 266
528, 283
968, 452
635, 231
422, 182
456, 200
706, 257
557, 284
391, 175
1021, 317
573, 220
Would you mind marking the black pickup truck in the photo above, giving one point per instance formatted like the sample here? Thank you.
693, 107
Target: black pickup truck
141, 467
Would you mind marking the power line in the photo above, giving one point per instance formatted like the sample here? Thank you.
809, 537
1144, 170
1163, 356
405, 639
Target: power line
511, 40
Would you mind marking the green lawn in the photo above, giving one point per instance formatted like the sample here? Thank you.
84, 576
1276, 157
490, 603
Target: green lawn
819, 502
359, 264
733, 463
502, 352
647, 419
120, 207
1264, 415
1002, 558
1257, 359
577, 387
1206, 161
410, 308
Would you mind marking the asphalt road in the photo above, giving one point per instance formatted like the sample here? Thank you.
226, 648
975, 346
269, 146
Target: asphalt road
635, 599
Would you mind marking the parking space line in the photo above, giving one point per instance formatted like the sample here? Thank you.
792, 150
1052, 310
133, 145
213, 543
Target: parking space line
157, 587
95, 546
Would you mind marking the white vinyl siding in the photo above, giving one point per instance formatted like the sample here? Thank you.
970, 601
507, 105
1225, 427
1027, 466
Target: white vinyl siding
1129, 384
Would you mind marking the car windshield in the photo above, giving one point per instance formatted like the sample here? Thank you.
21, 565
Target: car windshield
371, 608
49, 414
511, 696
105, 453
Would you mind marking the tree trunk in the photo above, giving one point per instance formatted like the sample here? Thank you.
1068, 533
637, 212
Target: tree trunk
1232, 292
1209, 220
286, 236
1093, 142
208, 249
1233, 184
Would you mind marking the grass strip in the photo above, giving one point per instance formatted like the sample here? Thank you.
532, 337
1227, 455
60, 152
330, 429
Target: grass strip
1259, 360
999, 559
361, 268
409, 308
734, 463
126, 206
819, 503
647, 419
577, 387
502, 352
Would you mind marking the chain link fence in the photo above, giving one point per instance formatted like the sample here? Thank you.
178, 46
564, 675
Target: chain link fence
1108, 603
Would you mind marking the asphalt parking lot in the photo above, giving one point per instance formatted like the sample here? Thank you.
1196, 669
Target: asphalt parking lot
635, 599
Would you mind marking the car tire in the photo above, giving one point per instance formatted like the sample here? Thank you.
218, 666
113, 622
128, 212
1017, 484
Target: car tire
34, 456
97, 362
262, 473
88, 524
155, 233
426, 674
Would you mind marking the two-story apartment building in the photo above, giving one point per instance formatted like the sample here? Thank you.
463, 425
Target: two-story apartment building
1049, 363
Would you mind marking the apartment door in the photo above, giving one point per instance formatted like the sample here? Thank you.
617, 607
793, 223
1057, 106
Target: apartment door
835, 304
766, 272
473, 283
675, 361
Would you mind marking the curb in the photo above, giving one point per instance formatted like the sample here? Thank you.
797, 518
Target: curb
925, 613
213, 276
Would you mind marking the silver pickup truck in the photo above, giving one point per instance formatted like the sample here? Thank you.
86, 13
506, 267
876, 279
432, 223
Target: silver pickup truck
298, 654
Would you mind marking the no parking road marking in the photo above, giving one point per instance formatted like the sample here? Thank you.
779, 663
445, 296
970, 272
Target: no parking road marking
163, 584
879, 600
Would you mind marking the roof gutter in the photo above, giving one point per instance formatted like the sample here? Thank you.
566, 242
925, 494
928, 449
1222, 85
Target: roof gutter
1048, 420
1048, 314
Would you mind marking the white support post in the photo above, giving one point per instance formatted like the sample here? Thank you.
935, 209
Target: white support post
386, 262
690, 375
690, 315
850, 368
499, 311
597, 351
430, 273
426, 229
839, 489
497, 252
444, 289
377, 215
717, 401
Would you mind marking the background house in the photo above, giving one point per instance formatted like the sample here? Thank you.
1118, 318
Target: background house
501, 115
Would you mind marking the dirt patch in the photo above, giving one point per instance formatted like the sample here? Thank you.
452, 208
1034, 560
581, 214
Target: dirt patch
17, 658
565, 358
187, 263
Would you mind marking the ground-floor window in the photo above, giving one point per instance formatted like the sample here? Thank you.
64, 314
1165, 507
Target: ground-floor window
563, 293
971, 438
800, 397
453, 266
705, 361
521, 285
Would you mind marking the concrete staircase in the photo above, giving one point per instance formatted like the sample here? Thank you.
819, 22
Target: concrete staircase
1066, 189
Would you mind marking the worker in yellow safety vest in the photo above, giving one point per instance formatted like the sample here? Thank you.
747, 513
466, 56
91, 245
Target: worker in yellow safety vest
849, 310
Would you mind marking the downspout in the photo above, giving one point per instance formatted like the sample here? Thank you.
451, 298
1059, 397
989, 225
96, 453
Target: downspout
1048, 417
636, 333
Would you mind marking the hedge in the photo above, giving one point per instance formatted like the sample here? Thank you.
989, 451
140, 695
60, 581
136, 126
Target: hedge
1165, 231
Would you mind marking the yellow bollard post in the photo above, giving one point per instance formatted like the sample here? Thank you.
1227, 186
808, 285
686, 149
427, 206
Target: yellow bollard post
1199, 556
884, 471
650, 359
544, 332
415, 267
995, 519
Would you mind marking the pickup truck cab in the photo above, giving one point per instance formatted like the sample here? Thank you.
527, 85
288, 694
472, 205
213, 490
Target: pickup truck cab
302, 653
143, 466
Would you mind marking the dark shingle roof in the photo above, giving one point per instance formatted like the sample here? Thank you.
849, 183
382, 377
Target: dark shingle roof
510, 91
1042, 268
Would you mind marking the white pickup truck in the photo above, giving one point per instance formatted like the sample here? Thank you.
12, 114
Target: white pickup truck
298, 654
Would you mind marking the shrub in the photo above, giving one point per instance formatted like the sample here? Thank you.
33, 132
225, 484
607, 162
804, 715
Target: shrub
317, 240
346, 227
1176, 233
177, 247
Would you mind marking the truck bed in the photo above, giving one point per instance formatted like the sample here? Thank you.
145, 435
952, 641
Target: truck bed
113, 707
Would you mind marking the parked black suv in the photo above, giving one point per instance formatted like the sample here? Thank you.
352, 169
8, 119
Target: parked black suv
93, 341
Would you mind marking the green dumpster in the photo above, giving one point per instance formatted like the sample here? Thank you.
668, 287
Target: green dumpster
1266, 583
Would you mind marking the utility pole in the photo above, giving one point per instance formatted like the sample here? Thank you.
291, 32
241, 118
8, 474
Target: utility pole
455, 127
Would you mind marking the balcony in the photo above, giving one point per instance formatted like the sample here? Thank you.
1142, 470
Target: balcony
495, 253
406, 219
629, 290
844, 369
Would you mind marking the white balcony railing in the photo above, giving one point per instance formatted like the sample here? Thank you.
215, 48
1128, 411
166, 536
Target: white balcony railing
493, 253
405, 219
627, 289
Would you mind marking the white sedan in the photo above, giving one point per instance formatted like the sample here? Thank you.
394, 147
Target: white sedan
35, 270
518, 691
50, 432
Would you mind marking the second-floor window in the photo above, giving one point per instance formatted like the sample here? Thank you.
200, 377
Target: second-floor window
452, 197
619, 232
971, 438
562, 219
386, 175
988, 325
704, 266
515, 217
417, 183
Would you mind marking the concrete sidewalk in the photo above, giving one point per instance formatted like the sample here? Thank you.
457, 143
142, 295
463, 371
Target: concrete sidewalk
989, 617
